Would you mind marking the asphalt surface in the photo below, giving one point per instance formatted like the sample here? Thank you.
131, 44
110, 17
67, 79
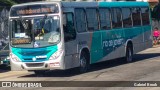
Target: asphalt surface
145, 67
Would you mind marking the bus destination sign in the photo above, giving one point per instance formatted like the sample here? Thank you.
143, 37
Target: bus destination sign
34, 9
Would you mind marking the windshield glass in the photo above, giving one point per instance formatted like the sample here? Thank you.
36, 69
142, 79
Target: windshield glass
37, 32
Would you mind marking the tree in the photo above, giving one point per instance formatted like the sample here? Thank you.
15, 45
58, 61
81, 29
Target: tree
7, 2
156, 12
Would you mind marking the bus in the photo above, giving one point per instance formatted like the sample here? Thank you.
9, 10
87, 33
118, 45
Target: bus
64, 35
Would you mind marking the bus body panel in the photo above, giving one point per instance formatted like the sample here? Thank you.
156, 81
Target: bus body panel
71, 55
147, 36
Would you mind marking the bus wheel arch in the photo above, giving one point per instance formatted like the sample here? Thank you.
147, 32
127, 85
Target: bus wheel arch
129, 52
84, 60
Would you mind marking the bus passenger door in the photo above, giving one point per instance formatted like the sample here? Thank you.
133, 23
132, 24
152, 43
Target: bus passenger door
70, 40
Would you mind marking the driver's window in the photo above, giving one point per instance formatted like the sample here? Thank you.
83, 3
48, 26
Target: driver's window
68, 27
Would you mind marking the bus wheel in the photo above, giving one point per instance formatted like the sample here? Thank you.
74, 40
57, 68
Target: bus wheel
84, 63
129, 54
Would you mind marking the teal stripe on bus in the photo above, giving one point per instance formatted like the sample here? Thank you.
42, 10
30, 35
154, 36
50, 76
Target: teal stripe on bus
98, 51
122, 4
26, 54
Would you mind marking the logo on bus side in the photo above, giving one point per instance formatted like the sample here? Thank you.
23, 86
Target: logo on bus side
111, 43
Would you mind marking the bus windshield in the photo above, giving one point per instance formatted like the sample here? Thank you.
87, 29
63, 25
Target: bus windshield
37, 32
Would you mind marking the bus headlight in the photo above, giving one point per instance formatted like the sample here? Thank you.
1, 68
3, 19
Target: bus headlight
55, 55
14, 57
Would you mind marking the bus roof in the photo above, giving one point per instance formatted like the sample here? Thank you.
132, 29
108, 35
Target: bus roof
104, 4
90, 4
79, 4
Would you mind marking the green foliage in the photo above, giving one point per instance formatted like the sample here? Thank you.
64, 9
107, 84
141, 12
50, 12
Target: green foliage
156, 12
8, 2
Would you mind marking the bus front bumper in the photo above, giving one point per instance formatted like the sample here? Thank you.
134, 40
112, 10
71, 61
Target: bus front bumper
46, 65
35, 66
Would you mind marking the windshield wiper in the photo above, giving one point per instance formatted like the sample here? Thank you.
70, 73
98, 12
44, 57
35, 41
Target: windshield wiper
42, 24
23, 23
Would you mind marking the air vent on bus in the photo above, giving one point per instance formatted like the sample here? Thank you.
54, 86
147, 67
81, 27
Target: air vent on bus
34, 64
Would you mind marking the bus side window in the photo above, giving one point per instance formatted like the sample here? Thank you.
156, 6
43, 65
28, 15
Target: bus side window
116, 18
68, 27
136, 16
80, 20
92, 19
145, 15
105, 22
127, 17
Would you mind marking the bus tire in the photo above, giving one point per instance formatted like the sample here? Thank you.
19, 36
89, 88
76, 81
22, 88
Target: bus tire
129, 54
84, 62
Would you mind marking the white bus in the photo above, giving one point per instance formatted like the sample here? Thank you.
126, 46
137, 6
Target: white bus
64, 35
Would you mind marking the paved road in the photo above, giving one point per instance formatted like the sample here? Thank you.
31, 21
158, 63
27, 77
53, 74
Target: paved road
146, 67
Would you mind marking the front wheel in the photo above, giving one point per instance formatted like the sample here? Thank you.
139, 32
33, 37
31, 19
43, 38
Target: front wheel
84, 63
129, 54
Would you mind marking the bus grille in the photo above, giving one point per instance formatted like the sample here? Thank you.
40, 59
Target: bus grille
34, 64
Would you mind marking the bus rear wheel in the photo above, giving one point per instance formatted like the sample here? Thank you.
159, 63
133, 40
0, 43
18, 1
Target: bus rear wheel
84, 63
129, 54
